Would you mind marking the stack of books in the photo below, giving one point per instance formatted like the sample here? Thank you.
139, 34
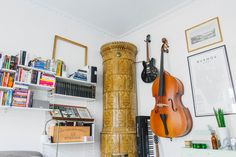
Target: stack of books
6, 79
22, 96
47, 80
6, 98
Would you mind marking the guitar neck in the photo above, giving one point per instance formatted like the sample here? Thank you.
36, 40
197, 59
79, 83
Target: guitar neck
147, 50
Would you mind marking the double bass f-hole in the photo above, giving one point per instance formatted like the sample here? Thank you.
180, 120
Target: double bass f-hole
172, 105
159, 105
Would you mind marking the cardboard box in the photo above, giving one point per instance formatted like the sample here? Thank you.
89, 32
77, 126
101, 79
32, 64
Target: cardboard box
68, 133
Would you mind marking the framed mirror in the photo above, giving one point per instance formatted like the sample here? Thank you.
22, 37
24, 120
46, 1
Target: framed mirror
72, 53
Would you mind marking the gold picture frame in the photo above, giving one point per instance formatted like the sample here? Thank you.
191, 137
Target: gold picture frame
203, 35
68, 50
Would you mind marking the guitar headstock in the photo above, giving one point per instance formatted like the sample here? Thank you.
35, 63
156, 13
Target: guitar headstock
156, 139
148, 38
165, 46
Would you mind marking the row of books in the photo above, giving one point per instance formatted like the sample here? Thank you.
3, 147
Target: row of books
6, 97
6, 79
8, 62
22, 96
11, 62
66, 88
35, 77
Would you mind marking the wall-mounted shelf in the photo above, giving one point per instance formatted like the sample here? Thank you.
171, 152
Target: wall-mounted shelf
5, 88
54, 95
24, 108
36, 86
74, 119
8, 70
74, 81
68, 143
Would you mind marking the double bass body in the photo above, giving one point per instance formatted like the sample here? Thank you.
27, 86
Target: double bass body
177, 117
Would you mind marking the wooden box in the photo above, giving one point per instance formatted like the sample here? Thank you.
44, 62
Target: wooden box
63, 134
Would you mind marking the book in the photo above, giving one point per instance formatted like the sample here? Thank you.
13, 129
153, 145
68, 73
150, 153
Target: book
10, 80
13, 62
58, 67
5, 79
1, 60
4, 98
23, 57
30, 104
6, 62
34, 77
1, 97
8, 100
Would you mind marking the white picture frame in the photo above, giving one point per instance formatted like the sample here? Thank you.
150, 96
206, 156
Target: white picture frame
211, 82
203, 35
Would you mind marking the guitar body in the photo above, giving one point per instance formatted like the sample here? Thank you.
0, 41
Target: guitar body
150, 72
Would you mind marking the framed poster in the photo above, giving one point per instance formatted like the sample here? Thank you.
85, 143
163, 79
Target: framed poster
203, 35
211, 82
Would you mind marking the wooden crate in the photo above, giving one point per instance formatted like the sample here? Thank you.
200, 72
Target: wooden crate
69, 133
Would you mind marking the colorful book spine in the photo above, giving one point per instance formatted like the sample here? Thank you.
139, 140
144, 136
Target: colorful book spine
1, 59
8, 100
58, 67
1, 97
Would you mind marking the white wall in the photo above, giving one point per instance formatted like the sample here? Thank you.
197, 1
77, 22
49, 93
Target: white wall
28, 26
172, 26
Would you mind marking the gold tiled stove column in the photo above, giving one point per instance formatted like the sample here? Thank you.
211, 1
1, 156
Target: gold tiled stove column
119, 99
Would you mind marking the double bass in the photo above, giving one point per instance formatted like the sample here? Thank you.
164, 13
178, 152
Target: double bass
169, 118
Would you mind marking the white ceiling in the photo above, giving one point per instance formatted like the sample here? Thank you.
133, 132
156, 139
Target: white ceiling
115, 17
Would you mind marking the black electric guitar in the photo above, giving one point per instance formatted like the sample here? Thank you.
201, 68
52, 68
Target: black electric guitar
150, 72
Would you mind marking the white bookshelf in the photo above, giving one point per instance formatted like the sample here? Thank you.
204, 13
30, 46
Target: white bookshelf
36, 86
24, 108
75, 81
62, 96
8, 70
2, 88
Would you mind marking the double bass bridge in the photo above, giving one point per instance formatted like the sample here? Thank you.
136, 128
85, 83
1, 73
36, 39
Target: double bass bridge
160, 105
